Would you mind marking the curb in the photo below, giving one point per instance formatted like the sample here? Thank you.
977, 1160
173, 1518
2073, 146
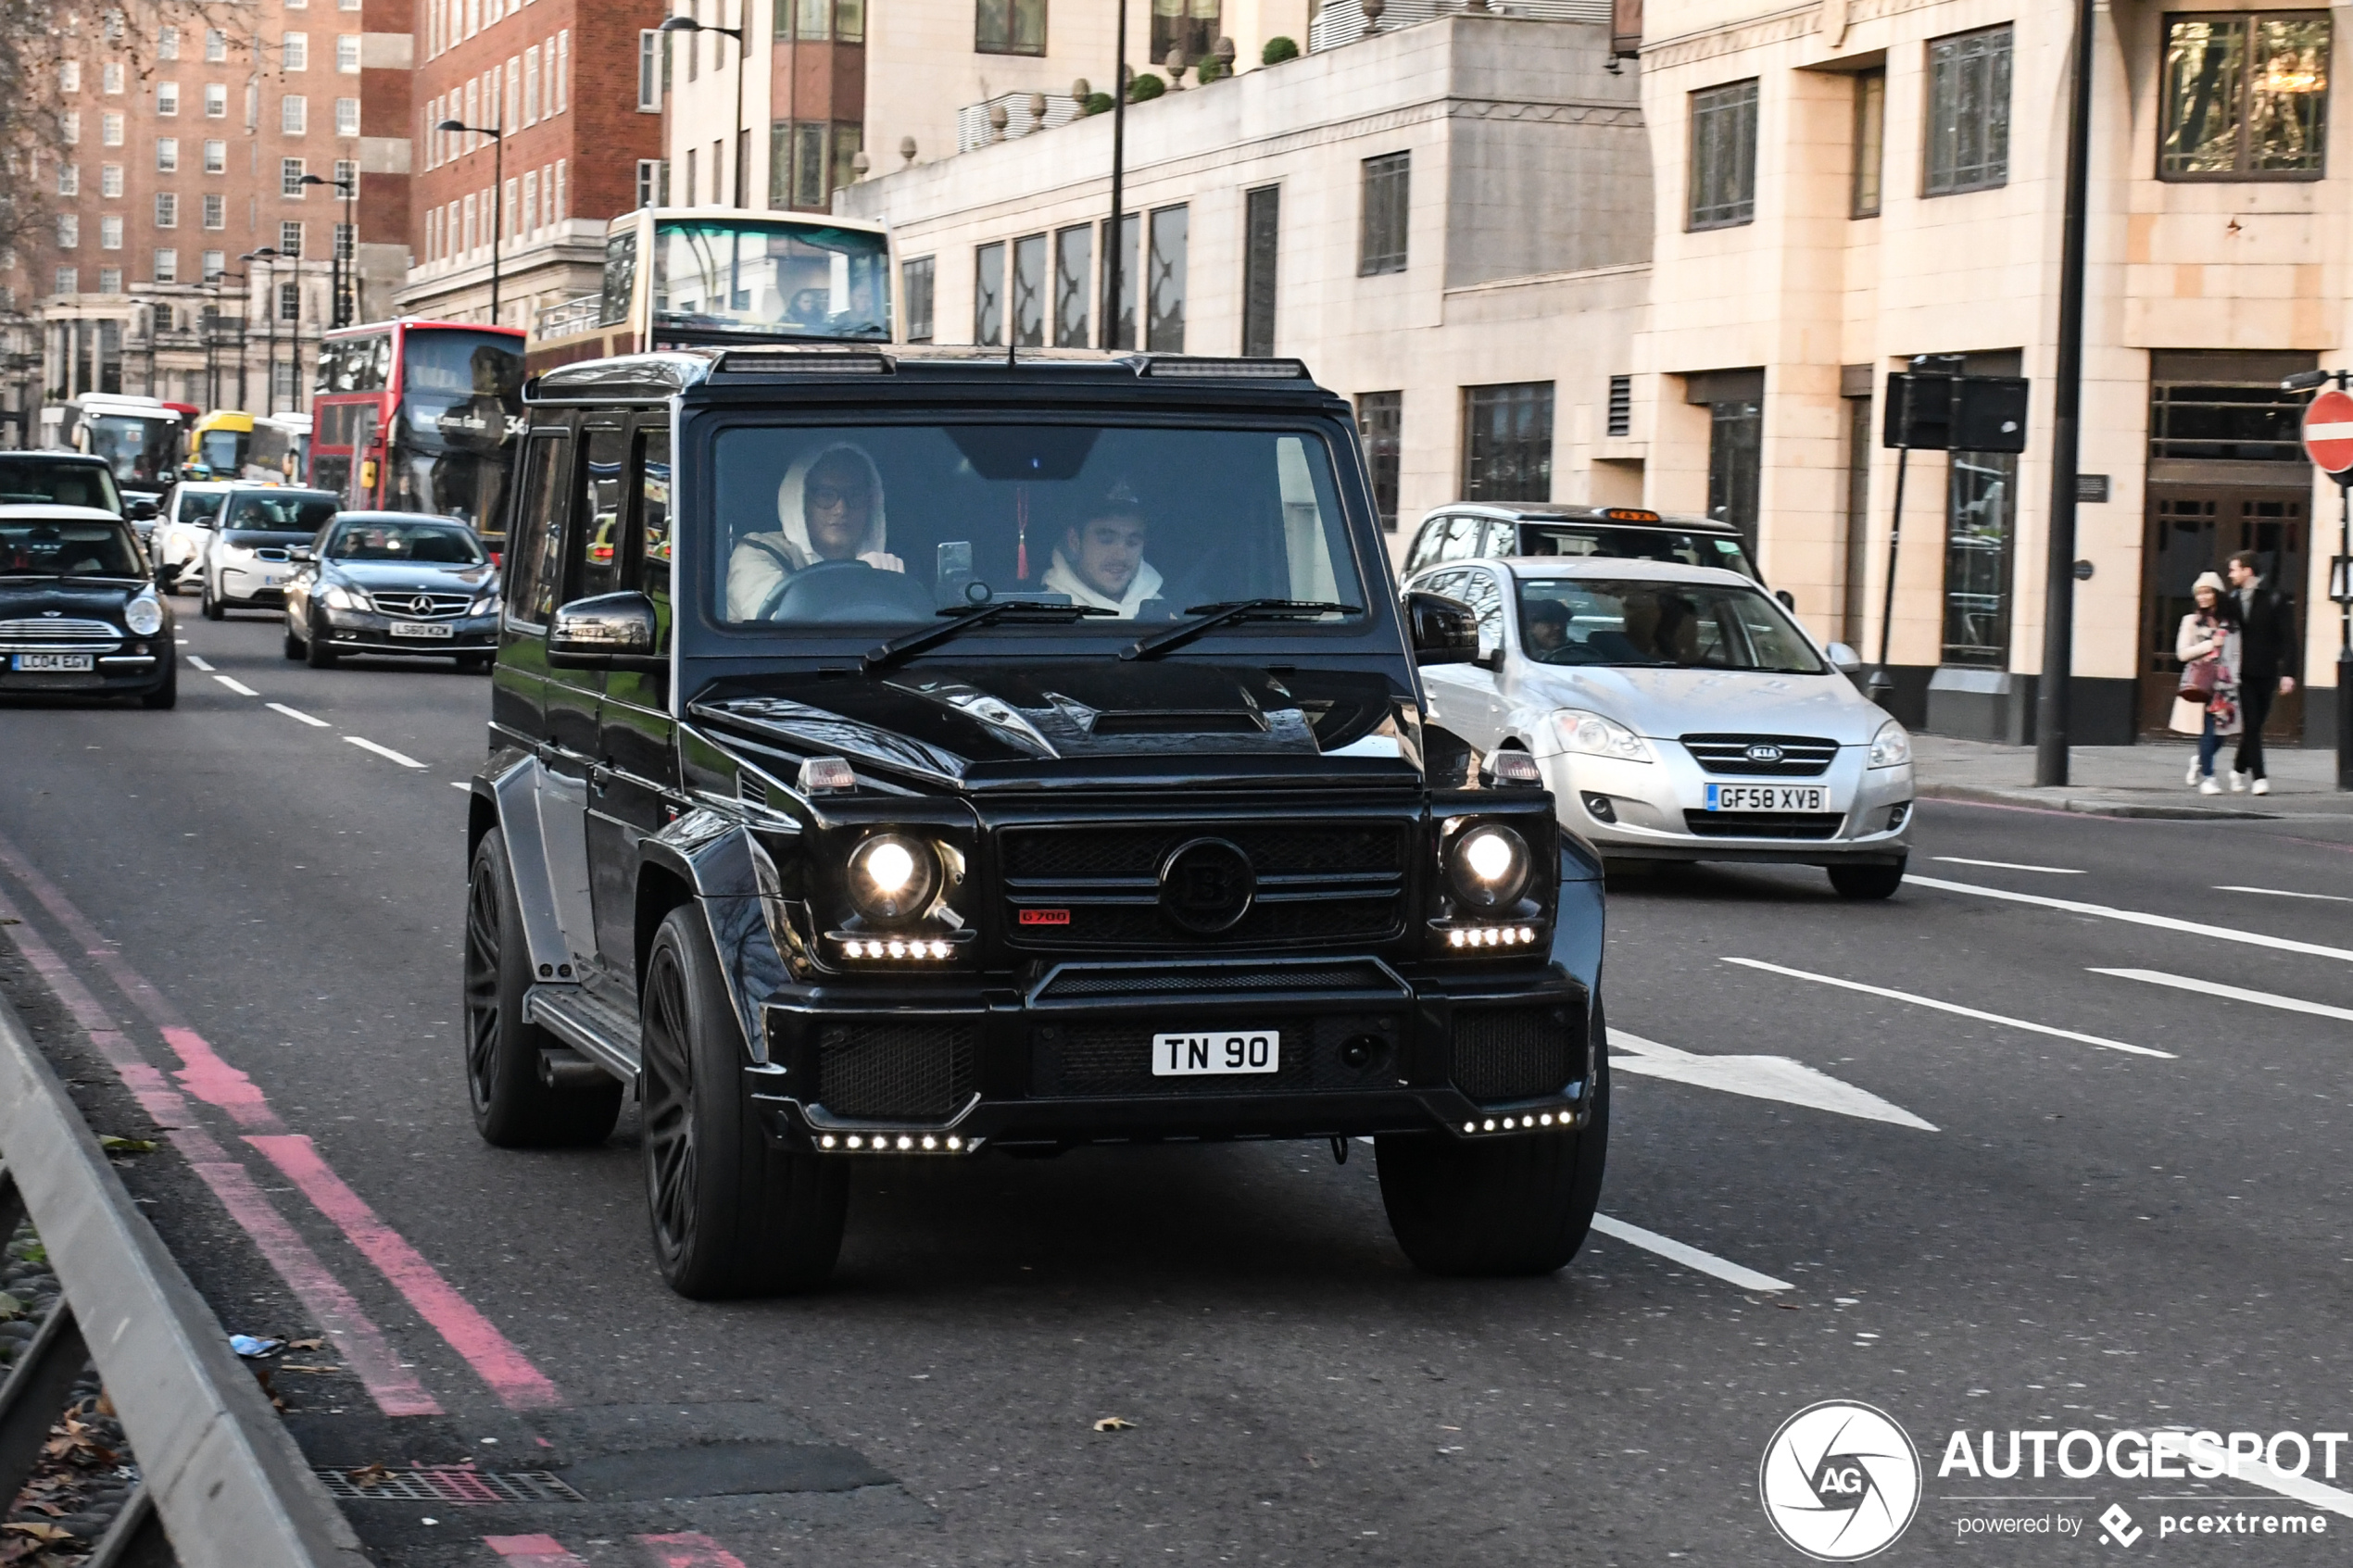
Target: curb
232, 1488
2089, 806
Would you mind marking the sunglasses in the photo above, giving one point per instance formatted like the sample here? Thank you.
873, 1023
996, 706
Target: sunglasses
827, 497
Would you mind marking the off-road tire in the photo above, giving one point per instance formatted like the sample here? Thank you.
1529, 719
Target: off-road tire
731, 1213
512, 1108
1501, 1204
1866, 882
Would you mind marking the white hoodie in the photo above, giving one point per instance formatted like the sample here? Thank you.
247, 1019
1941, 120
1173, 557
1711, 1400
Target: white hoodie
1063, 578
754, 572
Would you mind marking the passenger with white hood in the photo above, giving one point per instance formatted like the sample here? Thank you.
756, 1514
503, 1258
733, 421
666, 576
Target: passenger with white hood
831, 508
1100, 560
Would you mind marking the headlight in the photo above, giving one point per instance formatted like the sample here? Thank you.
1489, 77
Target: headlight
486, 605
1589, 734
1892, 746
337, 597
1487, 866
892, 876
144, 614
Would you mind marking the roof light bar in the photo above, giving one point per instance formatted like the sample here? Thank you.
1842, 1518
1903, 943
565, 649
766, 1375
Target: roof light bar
1198, 368
805, 361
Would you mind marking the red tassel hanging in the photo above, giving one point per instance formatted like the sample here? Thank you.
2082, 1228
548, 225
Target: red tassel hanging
1020, 516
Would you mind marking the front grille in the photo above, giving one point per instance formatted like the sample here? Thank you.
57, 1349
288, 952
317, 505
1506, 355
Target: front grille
1115, 1059
44, 635
915, 1070
1803, 757
1134, 852
1514, 1053
1111, 982
403, 603
1764, 824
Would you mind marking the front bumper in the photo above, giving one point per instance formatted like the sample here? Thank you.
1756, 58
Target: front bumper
863, 1068
248, 585
114, 672
1657, 812
353, 631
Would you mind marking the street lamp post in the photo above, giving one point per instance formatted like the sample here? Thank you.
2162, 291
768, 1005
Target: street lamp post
742, 143
345, 309
498, 195
268, 257
1115, 244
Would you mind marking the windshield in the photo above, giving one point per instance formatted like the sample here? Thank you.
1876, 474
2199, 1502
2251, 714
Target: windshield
1684, 625
431, 543
36, 549
71, 483
284, 511
195, 506
802, 280
138, 450
460, 409
223, 451
1634, 543
893, 525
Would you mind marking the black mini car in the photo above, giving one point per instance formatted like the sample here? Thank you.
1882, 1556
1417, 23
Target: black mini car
78, 613
913, 756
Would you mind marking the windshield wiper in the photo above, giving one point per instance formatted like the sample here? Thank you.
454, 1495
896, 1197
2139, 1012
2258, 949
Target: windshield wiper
884, 655
1216, 615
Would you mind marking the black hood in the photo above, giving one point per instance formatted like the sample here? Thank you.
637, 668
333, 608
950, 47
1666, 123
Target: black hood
1001, 726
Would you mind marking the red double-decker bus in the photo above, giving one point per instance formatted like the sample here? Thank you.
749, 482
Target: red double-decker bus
419, 417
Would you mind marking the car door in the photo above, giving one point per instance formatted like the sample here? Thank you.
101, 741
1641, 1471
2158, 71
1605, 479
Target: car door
637, 787
535, 586
1442, 683
1479, 707
571, 763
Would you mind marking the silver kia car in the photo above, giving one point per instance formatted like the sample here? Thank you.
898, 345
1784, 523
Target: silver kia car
1678, 713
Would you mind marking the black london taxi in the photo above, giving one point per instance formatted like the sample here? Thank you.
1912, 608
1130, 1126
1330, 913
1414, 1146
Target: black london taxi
908, 754
78, 612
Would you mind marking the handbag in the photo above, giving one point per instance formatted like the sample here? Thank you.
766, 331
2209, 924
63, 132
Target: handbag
2199, 680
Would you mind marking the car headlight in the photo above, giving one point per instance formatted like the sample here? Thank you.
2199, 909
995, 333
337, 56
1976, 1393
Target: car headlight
486, 605
1589, 734
892, 876
337, 597
1892, 746
144, 614
1487, 867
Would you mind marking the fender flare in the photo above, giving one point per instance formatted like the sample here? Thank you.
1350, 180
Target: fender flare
511, 787
737, 891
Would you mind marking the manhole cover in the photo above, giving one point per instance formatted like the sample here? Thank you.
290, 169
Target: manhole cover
448, 1483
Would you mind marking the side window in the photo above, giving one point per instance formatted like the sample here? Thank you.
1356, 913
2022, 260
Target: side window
603, 510
1481, 591
533, 553
1461, 537
1502, 540
1448, 584
1425, 548
652, 469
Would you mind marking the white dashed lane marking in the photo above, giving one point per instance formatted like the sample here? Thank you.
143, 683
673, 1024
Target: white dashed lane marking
2230, 993
200, 664
297, 713
2136, 917
2283, 893
1690, 1257
236, 685
364, 743
2009, 866
1949, 1007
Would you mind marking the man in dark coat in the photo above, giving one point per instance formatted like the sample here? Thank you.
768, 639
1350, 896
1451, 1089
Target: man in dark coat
2267, 651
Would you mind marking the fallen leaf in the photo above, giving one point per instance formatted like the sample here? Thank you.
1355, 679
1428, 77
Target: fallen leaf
368, 1475
321, 1371
114, 1144
10, 1307
1114, 1423
304, 1344
44, 1532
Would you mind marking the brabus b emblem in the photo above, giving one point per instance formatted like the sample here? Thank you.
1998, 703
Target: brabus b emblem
1206, 885
1765, 753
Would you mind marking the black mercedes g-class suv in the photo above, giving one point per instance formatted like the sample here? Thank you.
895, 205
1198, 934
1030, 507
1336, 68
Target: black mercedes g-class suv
909, 753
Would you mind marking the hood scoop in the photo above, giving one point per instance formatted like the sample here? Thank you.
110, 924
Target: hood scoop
1178, 722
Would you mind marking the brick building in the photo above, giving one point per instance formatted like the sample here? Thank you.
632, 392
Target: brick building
573, 89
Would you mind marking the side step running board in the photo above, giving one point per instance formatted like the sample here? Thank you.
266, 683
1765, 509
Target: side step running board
605, 1035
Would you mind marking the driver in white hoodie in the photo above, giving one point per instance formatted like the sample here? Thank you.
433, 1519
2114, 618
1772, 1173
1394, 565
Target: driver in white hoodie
1100, 560
831, 508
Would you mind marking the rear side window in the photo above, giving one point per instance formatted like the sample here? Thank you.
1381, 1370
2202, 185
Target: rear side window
604, 511
653, 512
534, 550
1462, 538
1425, 550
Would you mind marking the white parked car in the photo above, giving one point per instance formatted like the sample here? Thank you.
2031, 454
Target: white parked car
1678, 713
185, 529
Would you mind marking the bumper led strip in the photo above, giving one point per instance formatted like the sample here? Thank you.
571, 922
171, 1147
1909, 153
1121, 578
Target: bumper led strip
900, 1143
897, 948
1518, 1123
1490, 937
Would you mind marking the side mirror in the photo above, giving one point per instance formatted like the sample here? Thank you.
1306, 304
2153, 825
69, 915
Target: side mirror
609, 631
1843, 659
1444, 631
141, 510
1788, 600
301, 553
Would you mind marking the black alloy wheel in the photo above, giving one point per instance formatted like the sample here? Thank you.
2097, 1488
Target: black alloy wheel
732, 1215
513, 1108
318, 652
1516, 1203
1867, 881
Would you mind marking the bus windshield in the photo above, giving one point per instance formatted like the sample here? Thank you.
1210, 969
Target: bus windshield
461, 406
223, 451
139, 449
805, 280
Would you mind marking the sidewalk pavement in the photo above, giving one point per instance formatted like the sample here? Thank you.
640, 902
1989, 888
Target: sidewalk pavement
2126, 781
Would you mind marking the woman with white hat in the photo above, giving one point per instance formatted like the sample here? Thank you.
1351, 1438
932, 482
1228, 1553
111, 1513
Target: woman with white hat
830, 508
2208, 702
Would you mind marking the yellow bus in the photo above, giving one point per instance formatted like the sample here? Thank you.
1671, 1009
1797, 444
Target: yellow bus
219, 444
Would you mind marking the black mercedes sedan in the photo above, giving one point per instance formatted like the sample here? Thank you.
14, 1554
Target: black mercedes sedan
393, 582
79, 615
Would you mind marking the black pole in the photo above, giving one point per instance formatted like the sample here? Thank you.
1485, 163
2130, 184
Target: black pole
2051, 704
742, 137
2345, 631
497, 212
1113, 243
269, 303
1881, 683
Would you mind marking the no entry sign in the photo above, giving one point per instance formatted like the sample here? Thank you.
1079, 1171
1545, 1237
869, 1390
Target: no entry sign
2328, 430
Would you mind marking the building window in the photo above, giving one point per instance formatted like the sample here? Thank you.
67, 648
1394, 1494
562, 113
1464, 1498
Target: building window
69, 281
294, 114
1261, 221
69, 77
2235, 420
1379, 420
1029, 290
347, 54
849, 138
111, 181
1165, 297
1621, 407
560, 75
348, 173
1969, 112
1073, 274
531, 199
166, 44
109, 281
1871, 142
215, 263
649, 77
1009, 27
989, 295
69, 179
111, 233
290, 178
346, 117
290, 302
344, 239
1859, 445
281, 382
216, 157
167, 268
216, 45
916, 286
808, 164
1131, 233
167, 210
110, 76
812, 20
1190, 25
531, 85
776, 197
1736, 461
849, 21
294, 52
168, 99
1981, 528
216, 101
2244, 96
1723, 171
216, 211
111, 129
1388, 189
290, 240
68, 233
652, 181
1507, 442
70, 128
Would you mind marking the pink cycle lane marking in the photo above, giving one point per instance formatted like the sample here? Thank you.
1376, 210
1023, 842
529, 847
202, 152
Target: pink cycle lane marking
208, 1077
393, 1385
533, 1551
688, 1549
